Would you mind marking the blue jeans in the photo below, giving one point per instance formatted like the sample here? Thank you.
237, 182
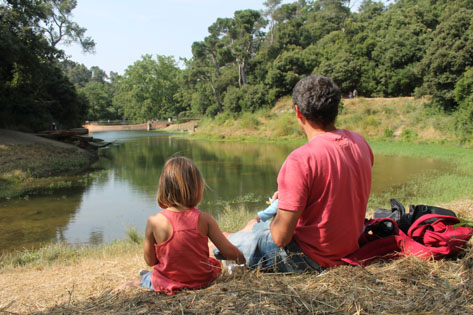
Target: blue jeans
260, 251
288, 259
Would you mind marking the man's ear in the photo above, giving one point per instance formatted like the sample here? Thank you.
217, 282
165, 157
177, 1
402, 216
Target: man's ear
298, 112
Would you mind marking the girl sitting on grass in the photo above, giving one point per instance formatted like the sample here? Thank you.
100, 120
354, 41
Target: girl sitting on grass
176, 239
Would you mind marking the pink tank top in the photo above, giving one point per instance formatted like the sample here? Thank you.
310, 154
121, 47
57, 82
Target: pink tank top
183, 260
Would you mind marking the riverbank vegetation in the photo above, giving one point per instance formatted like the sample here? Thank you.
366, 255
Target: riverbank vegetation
245, 64
33, 165
401, 119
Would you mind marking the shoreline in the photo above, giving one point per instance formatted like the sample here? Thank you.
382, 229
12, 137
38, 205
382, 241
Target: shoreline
29, 163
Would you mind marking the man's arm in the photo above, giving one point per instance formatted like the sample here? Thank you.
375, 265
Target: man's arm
283, 226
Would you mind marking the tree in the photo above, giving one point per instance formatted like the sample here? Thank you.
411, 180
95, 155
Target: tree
146, 90
242, 36
324, 16
78, 74
271, 6
33, 90
209, 56
59, 27
100, 99
448, 55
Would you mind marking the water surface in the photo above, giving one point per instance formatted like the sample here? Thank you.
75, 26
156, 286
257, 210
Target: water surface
123, 193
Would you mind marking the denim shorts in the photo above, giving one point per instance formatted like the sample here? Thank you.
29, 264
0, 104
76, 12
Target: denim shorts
146, 281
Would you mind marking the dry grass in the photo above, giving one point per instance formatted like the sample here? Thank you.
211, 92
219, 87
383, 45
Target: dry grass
406, 286
404, 118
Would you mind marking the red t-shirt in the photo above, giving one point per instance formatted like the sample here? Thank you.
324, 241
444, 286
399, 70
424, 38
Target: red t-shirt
183, 260
329, 181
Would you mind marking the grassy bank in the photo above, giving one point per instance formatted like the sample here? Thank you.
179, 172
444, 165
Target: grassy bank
68, 280
28, 168
394, 119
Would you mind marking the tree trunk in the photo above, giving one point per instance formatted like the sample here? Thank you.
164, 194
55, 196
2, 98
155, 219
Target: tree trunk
243, 73
214, 61
219, 104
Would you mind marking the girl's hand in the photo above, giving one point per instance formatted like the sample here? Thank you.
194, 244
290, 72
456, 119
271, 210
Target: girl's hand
275, 196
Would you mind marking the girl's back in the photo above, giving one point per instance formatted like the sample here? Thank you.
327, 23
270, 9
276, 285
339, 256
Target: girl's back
184, 260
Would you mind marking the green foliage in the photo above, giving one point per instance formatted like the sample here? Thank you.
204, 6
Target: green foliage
248, 121
422, 47
408, 135
33, 91
370, 121
233, 99
449, 54
133, 236
464, 97
388, 133
285, 125
147, 89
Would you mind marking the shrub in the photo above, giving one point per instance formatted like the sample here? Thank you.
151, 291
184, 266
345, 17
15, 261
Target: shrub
408, 135
232, 99
388, 133
249, 121
222, 118
464, 115
370, 121
254, 97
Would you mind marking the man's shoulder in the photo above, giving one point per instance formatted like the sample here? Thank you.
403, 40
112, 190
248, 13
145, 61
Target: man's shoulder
354, 134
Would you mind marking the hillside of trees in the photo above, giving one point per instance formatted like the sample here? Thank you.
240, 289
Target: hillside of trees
245, 63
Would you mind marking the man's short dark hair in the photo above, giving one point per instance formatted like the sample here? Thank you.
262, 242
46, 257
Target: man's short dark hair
317, 98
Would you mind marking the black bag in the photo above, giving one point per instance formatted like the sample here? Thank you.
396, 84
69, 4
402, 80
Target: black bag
405, 220
396, 212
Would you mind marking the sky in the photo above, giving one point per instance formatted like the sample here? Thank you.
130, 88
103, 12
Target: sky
125, 30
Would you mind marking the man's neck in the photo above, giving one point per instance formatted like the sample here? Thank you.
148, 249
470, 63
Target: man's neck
311, 130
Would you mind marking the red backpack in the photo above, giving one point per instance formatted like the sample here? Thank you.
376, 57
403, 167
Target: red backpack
430, 236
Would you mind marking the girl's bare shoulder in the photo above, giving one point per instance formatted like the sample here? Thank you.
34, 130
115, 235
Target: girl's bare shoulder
158, 220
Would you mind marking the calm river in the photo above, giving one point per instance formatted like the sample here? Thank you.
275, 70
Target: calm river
122, 194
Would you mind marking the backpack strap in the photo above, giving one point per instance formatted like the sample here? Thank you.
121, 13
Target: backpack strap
426, 221
434, 236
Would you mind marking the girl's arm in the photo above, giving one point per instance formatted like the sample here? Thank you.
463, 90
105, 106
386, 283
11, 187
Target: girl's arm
227, 249
149, 252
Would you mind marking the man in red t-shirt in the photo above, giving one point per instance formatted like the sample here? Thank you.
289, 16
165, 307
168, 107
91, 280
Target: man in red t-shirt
323, 189
324, 185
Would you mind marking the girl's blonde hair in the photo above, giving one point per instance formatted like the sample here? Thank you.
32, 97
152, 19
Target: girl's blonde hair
180, 184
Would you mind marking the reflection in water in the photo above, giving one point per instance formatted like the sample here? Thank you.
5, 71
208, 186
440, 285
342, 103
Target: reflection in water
123, 194
37, 219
